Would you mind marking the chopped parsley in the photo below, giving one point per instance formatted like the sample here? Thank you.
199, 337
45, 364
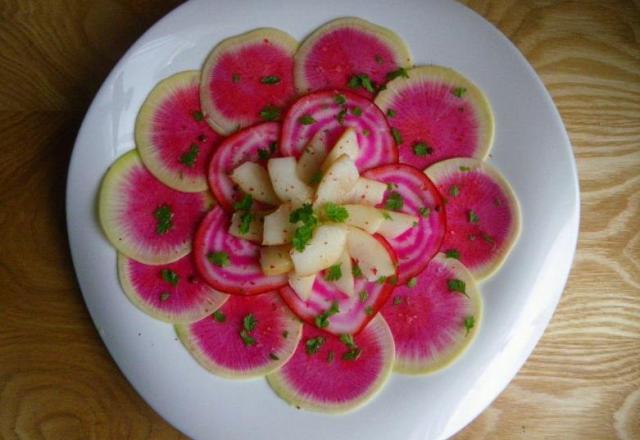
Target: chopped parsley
347, 340
368, 310
456, 285
189, 157
391, 113
270, 113
322, 320
247, 339
464, 169
356, 271
422, 149
394, 202
219, 316
334, 273
363, 296
396, 135
271, 79
220, 259
400, 72
356, 111
473, 217
452, 253
197, 115
341, 115
469, 323
164, 219
424, 211
365, 132
316, 178
393, 280
397, 300
244, 204
249, 322
245, 223
362, 81
235, 78
304, 232
263, 154
306, 120
170, 276
381, 280
459, 92
340, 99
312, 345
454, 191
386, 215
353, 354
487, 238
413, 282
335, 213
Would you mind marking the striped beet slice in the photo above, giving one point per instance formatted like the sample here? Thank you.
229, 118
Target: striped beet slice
248, 78
483, 213
145, 219
245, 146
172, 137
245, 338
409, 191
354, 313
228, 263
344, 48
335, 375
436, 114
171, 292
434, 318
333, 112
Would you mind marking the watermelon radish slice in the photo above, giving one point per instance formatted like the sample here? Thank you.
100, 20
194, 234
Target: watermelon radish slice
172, 137
483, 213
347, 48
228, 263
335, 375
353, 312
143, 218
248, 78
245, 338
410, 192
434, 318
255, 144
436, 114
333, 112
170, 292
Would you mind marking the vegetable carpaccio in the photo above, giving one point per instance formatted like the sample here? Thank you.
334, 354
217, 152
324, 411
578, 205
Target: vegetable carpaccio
318, 214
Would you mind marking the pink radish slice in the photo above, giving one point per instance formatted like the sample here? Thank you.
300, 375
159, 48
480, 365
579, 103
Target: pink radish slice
437, 114
245, 146
420, 198
330, 380
245, 338
145, 219
170, 292
246, 74
173, 138
329, 113
343, 48
228, 263
433, 323
483, 213
354, 312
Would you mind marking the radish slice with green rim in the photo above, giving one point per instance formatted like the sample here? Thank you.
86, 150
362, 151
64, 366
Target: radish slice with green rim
245, 338
173, 139
483, 213
227, 263
324, 377
145, 219
411, 192
436, 114
248, 78
255, 144
434, 318
171, 292
340, 50
333, 112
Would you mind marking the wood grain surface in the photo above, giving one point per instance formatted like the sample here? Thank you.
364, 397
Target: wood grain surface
57, 380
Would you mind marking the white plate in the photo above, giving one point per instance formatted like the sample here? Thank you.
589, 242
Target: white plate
531, 149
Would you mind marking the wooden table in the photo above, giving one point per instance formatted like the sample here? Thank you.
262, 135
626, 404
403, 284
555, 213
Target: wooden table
57, 380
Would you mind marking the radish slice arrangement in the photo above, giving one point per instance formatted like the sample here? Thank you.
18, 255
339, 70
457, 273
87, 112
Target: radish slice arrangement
332, 256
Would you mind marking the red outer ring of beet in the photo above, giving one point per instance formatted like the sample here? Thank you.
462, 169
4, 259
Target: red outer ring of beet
294, 303
199, 249
370, 174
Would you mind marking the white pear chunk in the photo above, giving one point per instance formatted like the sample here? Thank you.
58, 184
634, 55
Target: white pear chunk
253, 179
338, 182
345, 283
255, 227
302, 285
275, 260
347, 144
285, 180
371, 256
313, 155
396, 224
277, 229
364, 217
323, 250
367, 192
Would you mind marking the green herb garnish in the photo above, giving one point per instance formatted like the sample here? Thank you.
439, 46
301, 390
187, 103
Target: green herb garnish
306, 120
362, 81
368, 310
396, 135
334, 273
164, 219
189, 157
220, 259
353, 354
316, 178
244, 204
263, 154
335, 213
247, 339
270, 113
397, 300
312, 345
400, 72
304, 232
197, 115
322, 320
391, 113
219, 316
347, 340
356, 111
363, 296
422, 149
464, 169
452, 253
356, 271
469, 323
394, 202
235, 78
340, 99
454, 191
456, 285
459, 91
473, 217
170, 276
412, 282
249, 322
271, 79
424, 212
341, 115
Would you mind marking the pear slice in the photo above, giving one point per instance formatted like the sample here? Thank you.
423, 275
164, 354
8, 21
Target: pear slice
396, 224
364, 217
338, 182
253, 179
345, 282
347, 144
314, 154
302, 285
286, 183
275, 260
277, 229
323, 250
372, 257
367, 192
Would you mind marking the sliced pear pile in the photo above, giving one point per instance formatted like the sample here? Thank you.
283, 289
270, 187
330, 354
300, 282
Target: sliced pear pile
325, 216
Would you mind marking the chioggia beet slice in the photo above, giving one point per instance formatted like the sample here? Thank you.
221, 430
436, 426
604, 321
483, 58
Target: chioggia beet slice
173, 139
349, 53
245, 338
172, 292
333, 374
483, 213
145, 219
435, 113
248, 78
434, 317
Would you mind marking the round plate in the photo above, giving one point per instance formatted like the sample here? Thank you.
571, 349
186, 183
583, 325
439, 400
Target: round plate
531, 149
